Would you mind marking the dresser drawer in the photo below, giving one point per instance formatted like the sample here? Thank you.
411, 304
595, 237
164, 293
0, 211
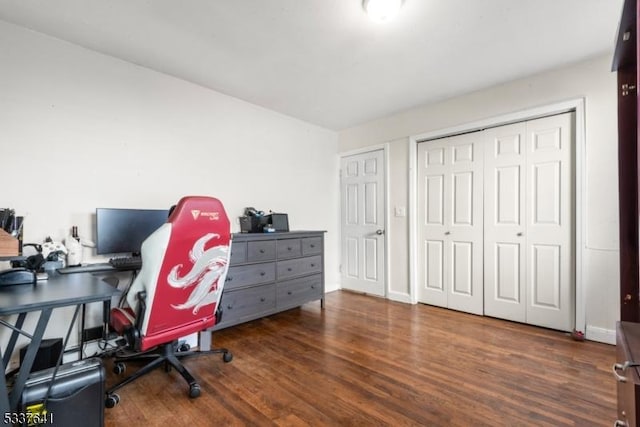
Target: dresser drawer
288, 248
238, 253
292, 293
261, 250
252, 301
299, 267
311, 245
253, 274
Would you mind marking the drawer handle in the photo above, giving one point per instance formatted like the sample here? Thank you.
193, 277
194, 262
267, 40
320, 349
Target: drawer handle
228, 279
616, 368
262, 273
312, 245
289, 269
622, 367
261, 251
313, 286
289, 292
313, 265
229, 307
262, 299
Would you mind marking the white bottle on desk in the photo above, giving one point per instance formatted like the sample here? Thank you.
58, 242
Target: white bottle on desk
74, 248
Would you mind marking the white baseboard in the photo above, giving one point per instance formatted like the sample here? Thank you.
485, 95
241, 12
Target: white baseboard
330, 287
607, 336
399, 297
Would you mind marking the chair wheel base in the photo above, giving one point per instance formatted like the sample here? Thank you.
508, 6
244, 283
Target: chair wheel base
194, 391
119, 368
111, 400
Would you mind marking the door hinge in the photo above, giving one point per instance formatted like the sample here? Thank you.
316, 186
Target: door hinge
626, 88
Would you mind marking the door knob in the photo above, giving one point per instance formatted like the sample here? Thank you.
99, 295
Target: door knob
379, 232
519, 234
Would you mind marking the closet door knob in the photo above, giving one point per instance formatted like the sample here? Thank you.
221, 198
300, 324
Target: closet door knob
519, 234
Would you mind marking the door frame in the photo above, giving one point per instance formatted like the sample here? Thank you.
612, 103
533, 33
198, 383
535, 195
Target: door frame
385, 203
578, 106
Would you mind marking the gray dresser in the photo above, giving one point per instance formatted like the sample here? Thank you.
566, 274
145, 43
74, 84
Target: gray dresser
272, 272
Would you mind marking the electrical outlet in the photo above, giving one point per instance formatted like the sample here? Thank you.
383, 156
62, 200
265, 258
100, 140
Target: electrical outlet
91, 334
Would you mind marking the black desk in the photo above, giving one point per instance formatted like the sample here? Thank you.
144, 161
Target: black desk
57, 291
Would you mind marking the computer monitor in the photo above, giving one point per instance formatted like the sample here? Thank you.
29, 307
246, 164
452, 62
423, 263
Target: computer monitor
124, 230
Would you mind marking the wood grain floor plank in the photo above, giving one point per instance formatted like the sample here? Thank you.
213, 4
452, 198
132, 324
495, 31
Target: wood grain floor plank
368, 361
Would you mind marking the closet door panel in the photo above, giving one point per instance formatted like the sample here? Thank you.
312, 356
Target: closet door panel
450, 217
504, 270
465, 220
433, 184
549, 234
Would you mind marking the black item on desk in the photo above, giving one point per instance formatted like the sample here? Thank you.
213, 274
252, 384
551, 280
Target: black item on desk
17, 276
33, 262
126, 263
6, 219
76, 396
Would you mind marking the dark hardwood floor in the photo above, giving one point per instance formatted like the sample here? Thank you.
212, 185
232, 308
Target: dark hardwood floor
367, 361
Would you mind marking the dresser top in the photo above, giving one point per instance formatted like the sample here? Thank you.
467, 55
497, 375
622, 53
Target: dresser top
277, 235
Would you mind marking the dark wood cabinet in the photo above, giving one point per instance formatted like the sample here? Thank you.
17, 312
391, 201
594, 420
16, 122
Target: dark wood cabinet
627, 373
625, 64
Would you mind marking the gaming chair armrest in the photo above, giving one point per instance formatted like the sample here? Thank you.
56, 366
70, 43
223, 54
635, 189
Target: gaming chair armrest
132, 333
141, 309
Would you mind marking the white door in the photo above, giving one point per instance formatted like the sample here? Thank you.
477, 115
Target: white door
529, 260
450, 217
504, 214
363, 222
549, 233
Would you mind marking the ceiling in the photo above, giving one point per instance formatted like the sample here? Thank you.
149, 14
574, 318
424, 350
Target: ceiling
324, 61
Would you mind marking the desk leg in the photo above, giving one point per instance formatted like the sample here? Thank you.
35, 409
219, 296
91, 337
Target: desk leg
4, 396
14, 338
30, 356
106, 317
82, 318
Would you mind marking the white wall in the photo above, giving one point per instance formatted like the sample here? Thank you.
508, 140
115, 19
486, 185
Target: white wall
591, 80
80, 130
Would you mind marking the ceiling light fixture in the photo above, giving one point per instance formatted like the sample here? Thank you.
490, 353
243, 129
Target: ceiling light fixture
381, 10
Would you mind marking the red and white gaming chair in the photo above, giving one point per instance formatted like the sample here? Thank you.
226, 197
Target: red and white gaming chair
177, 291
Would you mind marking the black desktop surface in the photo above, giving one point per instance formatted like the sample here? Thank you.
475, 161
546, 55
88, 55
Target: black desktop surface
57, 291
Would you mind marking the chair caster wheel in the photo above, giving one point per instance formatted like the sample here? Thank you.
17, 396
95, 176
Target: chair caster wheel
119, 368
194, 391
184, 347
111, 400
227, 357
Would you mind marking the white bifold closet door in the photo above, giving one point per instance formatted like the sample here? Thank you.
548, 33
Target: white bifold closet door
529, 199
450, 215
495, 209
